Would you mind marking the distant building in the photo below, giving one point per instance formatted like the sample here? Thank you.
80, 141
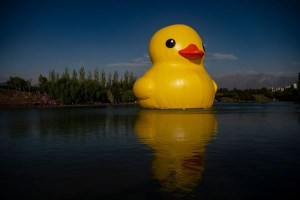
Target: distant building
295, 85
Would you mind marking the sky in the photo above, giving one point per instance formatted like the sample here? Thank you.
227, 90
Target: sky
242, 37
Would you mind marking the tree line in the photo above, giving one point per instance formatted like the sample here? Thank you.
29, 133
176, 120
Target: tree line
257, 95
97, 86
81, 87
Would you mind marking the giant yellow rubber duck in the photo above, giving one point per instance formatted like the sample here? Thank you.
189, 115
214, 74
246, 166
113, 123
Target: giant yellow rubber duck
178, 139
177, 78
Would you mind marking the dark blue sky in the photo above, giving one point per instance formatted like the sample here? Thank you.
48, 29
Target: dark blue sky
240, 37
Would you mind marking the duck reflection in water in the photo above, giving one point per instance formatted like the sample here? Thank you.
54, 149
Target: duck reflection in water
178, 139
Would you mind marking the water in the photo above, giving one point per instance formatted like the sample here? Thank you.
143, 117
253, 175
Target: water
232, 151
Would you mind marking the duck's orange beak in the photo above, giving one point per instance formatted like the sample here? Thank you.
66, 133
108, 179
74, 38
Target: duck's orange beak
191, 52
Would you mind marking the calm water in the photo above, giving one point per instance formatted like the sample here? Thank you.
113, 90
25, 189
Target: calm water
232, 151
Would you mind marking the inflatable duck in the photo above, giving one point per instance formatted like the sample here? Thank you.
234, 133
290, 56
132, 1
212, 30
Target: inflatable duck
177, 78
178, 139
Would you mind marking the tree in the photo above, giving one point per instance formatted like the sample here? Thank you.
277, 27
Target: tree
43, 83
101, 93
126, 86
74, 88
64, 85
81, 74
28, 84
17, 83
94, 87
90, 88
53, 79
103, 79
115, 87
82, 94
109, 81
96, 74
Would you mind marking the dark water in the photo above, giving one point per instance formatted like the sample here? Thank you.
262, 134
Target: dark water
232, 151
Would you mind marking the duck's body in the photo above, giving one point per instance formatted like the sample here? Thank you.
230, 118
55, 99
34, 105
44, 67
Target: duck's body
177, 78
176, 88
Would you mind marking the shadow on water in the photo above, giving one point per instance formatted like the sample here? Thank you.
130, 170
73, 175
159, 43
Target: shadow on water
178, 139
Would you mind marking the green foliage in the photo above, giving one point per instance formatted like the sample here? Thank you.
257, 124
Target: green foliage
247, 95
260, 98
257, 95
43, 84
18, 83
289, 94
99, 87
93, 87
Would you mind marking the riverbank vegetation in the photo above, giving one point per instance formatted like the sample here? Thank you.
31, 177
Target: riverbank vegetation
81, 87
98, 87
257, 95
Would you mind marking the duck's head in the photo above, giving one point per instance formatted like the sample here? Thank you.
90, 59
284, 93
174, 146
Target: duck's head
176, 44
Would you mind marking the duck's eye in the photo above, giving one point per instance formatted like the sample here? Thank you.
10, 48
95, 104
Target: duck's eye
203, 47
170, 43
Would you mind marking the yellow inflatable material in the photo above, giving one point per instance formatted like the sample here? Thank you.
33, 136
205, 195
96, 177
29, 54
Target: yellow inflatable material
178, 139
177, 78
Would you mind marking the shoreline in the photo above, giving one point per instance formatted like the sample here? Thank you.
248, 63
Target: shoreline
16, 106
64, 105
22, 99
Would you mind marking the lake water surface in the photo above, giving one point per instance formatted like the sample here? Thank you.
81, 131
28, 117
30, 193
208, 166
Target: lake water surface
231, 151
